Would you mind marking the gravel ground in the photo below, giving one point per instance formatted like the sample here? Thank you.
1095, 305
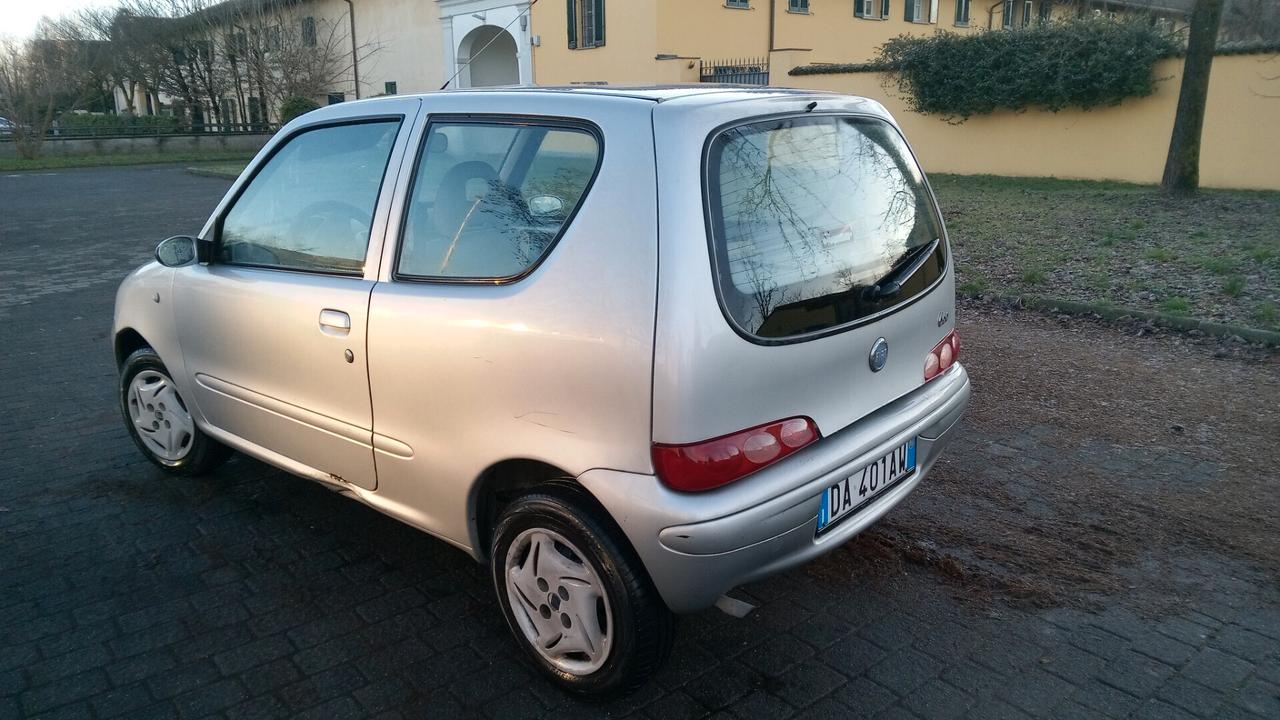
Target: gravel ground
1124, 449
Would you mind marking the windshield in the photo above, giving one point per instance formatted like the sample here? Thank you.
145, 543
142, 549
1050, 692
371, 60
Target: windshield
808, 214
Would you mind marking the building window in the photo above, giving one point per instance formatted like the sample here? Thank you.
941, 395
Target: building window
337, 97
916, 10
1046, 10
309, 31
962, 13
273, 38
389, 87
740, 4
1006, 14
586, 23
1026, 13
871, 9
798, 6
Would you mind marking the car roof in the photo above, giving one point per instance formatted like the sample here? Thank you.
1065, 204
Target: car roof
679, 98
710, 92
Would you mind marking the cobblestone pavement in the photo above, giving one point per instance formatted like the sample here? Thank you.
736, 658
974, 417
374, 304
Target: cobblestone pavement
254, 594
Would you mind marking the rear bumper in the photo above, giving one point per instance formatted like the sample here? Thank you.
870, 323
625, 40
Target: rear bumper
697, 546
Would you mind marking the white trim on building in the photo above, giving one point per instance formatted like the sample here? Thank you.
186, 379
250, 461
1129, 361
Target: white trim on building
459, 18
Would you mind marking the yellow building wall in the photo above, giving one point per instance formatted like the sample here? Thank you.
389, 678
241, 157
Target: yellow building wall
1240, 144
638, 31
835, 35
627, 57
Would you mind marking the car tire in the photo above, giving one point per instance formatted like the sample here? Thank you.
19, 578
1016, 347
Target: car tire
587, 585
160, 423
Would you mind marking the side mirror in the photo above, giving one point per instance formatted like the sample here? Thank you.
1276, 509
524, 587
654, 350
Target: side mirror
546, 206
178, 250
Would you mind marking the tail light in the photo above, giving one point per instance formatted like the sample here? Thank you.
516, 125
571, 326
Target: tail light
942, 356
720, 461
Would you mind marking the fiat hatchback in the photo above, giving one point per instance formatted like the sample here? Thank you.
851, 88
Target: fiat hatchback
629, 347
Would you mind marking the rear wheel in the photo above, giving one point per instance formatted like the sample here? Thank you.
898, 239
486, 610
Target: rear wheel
159, 421
575, 596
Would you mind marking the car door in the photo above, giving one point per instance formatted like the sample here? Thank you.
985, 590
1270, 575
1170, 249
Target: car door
500, 318
273, 327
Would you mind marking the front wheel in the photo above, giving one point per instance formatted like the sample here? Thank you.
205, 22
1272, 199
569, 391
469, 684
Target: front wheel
575, 596
159, 421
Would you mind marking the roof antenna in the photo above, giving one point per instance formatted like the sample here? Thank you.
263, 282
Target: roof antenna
476, 54
811, 106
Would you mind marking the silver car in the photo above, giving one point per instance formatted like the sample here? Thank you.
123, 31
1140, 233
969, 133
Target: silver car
629, 347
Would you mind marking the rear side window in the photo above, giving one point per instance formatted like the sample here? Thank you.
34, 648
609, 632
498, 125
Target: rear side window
311, 205
489, 199
817, 221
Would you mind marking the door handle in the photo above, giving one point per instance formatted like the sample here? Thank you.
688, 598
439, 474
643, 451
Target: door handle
334, 322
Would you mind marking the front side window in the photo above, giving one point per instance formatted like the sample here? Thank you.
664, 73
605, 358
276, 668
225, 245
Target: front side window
490, 199
817, 222
310, 207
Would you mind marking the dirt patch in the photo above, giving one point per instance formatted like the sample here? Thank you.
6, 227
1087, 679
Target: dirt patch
1092, 462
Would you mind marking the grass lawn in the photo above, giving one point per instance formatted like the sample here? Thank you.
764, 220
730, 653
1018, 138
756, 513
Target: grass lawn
59, 162
1214, 255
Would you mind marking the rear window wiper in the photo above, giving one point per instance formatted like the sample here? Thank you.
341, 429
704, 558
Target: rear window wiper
905, 268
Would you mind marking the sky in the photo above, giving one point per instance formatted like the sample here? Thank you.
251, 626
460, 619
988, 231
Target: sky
18, 18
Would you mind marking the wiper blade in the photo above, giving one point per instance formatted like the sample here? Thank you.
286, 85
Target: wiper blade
905, 268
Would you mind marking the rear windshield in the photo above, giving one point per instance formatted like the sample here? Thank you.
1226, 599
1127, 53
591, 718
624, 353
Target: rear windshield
818, 221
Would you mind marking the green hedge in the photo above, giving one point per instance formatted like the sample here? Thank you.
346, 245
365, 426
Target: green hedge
122, 122
1080, 63
294, 105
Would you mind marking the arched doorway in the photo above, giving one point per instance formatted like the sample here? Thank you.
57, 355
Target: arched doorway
496, 65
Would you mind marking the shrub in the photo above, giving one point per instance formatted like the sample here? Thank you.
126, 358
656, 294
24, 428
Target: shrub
1079, 63
104, 125
296, 105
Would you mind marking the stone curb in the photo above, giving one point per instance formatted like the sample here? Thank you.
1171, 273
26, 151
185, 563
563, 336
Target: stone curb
1115, 312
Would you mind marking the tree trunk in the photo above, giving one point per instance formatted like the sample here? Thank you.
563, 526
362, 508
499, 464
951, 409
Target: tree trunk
1182, 167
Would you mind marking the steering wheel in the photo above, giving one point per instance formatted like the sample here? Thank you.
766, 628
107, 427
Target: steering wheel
326, 220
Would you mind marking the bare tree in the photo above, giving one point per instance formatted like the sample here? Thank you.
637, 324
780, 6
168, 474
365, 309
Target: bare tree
40, 78
255, 53
1182, 167
1251, 21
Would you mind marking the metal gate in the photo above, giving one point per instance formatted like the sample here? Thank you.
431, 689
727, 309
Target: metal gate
745, 71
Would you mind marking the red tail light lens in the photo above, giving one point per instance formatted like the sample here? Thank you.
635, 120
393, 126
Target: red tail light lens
720, 461
942, 356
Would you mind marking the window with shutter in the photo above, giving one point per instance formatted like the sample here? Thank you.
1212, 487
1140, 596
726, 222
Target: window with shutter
599, 22
572, 7
586, 23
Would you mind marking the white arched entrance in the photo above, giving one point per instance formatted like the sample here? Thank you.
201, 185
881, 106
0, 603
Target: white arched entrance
489, 56
468, 25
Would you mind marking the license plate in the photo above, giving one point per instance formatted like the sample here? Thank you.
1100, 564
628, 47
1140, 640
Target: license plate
847, 497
